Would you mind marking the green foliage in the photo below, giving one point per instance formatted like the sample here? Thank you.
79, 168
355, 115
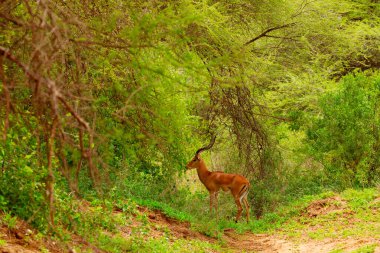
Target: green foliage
2, 243
8, 220
3, 203
345, 137
150, 78
22, 178
95, 221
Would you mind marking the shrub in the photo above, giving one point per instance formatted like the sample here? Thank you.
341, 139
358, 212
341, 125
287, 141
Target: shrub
345, 137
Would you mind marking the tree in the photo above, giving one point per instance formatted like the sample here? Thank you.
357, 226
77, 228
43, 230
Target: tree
345, 137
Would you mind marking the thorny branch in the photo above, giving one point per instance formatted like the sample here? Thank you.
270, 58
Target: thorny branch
47, 46
265, 33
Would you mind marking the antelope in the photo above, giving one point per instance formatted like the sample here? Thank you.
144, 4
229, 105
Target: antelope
216, 180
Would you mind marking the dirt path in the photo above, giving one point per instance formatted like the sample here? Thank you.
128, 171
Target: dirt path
249, 242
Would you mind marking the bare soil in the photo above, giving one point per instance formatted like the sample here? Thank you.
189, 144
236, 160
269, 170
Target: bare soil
325, 206
23, 238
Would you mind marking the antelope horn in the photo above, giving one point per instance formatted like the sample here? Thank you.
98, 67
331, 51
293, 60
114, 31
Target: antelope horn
206, 147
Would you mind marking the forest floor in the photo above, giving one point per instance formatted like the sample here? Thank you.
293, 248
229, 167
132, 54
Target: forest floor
312, 234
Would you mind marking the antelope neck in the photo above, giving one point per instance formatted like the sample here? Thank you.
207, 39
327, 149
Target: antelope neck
203, 172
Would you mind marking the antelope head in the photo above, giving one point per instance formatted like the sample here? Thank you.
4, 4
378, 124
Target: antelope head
194, 163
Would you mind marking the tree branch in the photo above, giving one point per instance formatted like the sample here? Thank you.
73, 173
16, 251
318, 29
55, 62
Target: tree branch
263, 34
280, 37
6, 53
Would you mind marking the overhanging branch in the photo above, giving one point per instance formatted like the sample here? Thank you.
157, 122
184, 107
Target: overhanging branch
263, 34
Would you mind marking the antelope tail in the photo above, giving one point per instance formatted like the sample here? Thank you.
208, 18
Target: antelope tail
244, 191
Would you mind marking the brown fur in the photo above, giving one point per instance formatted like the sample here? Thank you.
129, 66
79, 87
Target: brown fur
214, 181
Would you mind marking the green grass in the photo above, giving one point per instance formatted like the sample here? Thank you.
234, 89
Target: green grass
166, 209
370, 248
115, 243
360, 199
2, 243
165, 244
9, 220
366, 249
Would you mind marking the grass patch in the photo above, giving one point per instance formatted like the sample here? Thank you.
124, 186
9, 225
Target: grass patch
166, 209
114, 243
164, 244
8, 220
360, 199
366, 249
2, 243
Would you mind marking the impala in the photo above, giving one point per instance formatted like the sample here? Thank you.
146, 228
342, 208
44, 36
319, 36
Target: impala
216, 180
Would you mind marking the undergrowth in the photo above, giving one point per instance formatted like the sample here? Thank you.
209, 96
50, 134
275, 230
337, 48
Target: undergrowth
120, 225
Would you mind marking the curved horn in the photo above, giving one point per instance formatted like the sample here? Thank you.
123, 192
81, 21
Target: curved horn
207, 147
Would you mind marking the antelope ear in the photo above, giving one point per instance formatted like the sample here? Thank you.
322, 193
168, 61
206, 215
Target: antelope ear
198, 156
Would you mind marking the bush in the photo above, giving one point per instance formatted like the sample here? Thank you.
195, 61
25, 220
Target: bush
22, 179
345, 137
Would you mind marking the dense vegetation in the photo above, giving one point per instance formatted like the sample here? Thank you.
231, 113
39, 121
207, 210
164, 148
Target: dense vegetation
106, 101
